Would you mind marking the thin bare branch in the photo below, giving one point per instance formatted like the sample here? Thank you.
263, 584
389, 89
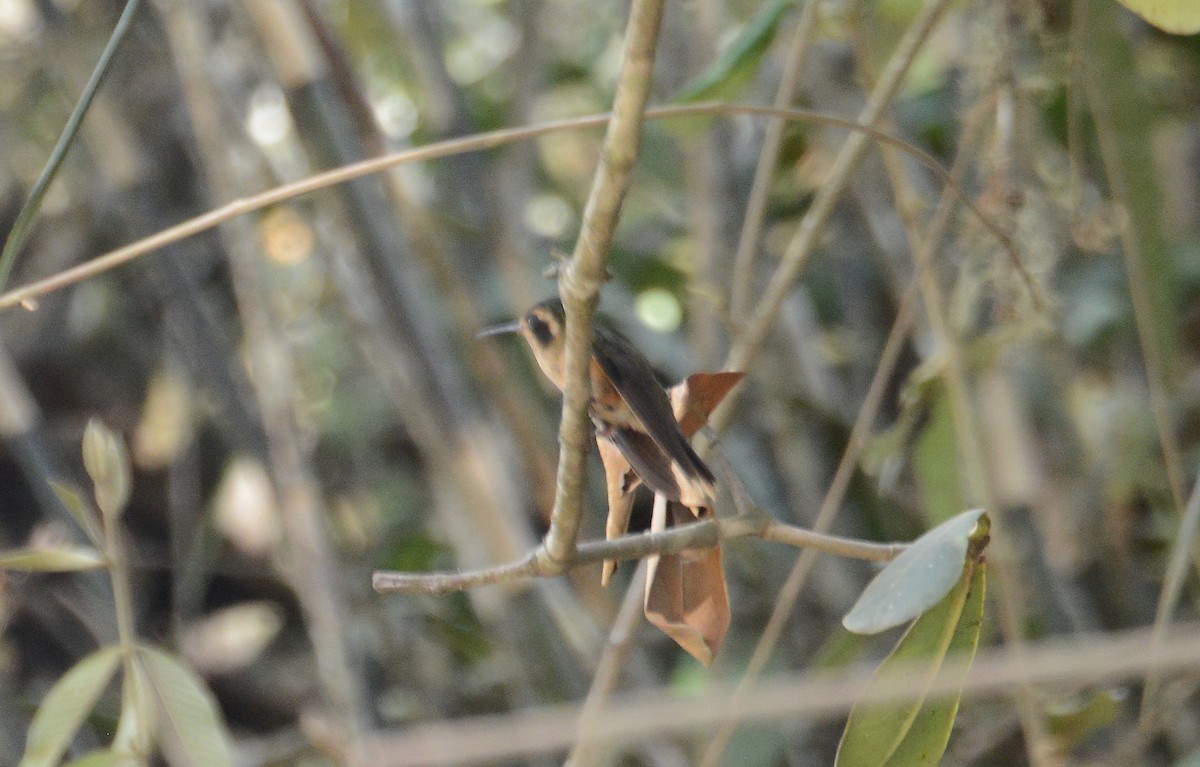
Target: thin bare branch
1182, 554
28, 295
579, 282
699, 535
630, 718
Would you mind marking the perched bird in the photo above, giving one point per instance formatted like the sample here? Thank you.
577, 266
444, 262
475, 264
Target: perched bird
629, 407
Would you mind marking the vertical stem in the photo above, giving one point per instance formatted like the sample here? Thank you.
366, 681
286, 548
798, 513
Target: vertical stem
581, 277
118, 570
132, 732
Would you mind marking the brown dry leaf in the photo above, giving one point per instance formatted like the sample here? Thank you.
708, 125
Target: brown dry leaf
686, 597
696, 398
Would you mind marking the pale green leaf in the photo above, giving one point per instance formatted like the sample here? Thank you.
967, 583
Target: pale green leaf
875, 731
1074, 720
189, 721
736, 65
917, 579
67, 705
139, 712
756, 747
107, 463
935, 457
929, 733
65, 559
79, 510
106, 758
1180, 17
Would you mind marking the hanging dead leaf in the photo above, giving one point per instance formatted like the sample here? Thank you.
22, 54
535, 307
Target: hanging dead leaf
696, 398
686, 596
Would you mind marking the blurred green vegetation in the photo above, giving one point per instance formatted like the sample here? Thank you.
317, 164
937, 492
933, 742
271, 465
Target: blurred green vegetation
324, 411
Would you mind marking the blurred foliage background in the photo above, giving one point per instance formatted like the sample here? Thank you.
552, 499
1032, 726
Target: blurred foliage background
305, 402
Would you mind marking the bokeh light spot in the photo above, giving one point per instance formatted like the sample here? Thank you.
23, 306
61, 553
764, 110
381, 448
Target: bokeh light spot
659, 310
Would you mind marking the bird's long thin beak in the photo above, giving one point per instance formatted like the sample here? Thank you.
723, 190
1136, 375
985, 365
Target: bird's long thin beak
496, 330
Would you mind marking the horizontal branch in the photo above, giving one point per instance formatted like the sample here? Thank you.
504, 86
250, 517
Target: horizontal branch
698, 535
28, 295
1079, 660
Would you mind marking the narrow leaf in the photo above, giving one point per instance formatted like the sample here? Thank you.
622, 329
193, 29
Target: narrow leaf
189, 722
139, 712
105, 758
875, 731
1120, 104
915, 581
1180, 17
25, 218
731, 70
79, 510
926, 740
935, 458
67, 705
66, 559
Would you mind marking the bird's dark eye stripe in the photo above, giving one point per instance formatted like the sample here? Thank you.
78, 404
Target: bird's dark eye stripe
541, 329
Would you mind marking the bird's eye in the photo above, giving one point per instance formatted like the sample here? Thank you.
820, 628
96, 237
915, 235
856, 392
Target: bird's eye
540, 328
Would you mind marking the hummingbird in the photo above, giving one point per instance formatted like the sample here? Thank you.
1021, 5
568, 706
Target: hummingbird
628, 407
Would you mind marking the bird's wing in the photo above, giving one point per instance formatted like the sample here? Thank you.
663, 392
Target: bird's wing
637, 384
635, 381
646, 459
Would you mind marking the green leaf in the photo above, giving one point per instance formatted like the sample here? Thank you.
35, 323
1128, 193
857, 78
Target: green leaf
67, 705
1124, 113
66, 559
930, 731
139, 712
917, 579
1073, 721
729, 73
1179, 17
107, 463
25, 218
876, 732
756, 747
935, 457
189, 722
105, 758
73, 500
